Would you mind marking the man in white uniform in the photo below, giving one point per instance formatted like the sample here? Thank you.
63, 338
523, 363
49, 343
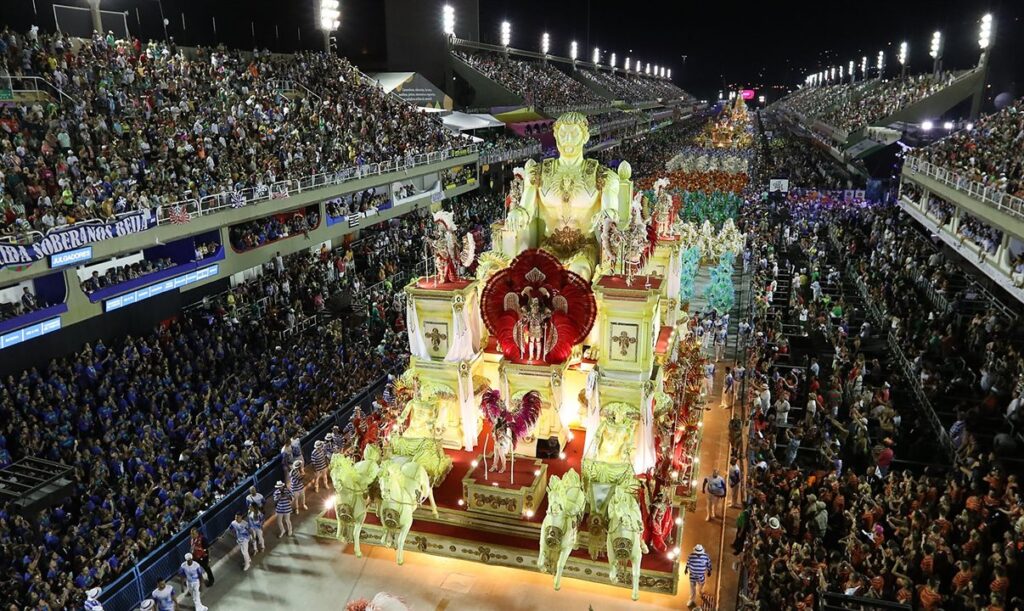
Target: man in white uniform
163, 595
192, 573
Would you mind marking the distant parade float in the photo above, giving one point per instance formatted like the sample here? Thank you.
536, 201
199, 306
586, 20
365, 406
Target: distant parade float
551, 410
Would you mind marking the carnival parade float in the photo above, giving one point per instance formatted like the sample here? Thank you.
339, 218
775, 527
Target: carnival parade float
550, 414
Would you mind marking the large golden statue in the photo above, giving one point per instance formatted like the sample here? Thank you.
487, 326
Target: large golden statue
565, 200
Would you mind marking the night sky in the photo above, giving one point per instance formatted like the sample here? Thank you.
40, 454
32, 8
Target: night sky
765, 44
769, 45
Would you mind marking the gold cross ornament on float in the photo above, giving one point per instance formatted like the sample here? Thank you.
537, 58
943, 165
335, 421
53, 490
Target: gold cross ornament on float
623, 342
436, 334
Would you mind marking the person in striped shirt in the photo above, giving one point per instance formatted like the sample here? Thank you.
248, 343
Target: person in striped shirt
320, 461
283, 506
698, 567
91, 603
297, 485
242, 536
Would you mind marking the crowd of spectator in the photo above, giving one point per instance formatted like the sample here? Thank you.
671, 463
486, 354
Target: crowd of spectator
538, 83
152, 124
456, 177
802, 164
116, 274
840, 518
158, 427
879, 102
986, 237
26, 303
988, 153
632, 88
259, 232
352, 203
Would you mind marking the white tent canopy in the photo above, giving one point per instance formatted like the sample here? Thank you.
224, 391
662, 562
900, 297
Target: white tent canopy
462, 121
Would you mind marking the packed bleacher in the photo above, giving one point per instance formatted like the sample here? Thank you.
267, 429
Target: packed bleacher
536, 82
989, 153
260, 232
159, 427
632, 88
849, 107
151, 124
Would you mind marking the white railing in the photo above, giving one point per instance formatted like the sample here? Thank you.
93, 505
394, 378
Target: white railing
995, 198
38, 83
287, 188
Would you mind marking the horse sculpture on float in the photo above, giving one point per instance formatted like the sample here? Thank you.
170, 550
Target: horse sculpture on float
403, 486
352, 483
558, 533
625, 534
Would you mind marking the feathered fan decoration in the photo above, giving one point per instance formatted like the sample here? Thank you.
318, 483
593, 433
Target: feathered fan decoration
508, 426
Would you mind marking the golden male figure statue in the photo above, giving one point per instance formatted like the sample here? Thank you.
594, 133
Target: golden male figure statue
565, 201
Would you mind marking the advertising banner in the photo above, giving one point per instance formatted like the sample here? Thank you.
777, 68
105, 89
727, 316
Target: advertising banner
74, 238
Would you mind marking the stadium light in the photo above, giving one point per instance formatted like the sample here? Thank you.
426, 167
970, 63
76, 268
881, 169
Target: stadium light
573, 50
935, 51
612, 61
448, 20
663, 72
948, 125
985, 33
648, 68
330, 15
902, 57
597, 56
833, 73
881, 63
626, 65
655, 70
670, 73
969, 126
927, 126
506, 33
864, 67
850, 70
545, 43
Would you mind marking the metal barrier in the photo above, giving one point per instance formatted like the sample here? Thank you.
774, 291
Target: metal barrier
1000, 200
126, 591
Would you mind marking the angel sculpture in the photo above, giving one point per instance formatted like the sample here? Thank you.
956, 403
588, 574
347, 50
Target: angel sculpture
449, 253
533, 333
508, 426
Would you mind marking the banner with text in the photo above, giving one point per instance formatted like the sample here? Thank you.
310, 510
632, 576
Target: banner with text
76, 237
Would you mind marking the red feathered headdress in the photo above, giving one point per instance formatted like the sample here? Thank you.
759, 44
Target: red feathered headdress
539, 274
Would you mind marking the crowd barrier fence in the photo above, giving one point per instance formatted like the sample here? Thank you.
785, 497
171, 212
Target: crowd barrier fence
127, 591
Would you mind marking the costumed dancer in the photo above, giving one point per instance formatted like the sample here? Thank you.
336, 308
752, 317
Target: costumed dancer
91, 600
254, 498
254, 518
698, 567
297, 485
192, 573
709, 378
242, 536
164, 595
320, 461
283, 502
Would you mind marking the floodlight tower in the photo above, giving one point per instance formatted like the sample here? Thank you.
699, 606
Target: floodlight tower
545, 45
852, 72
596, 57
881, 64
506, 35
902, 57
935, 51
612, 63
330, 19
864, 68
574, 52
986, 35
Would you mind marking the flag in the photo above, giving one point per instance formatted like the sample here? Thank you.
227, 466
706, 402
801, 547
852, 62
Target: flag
237, 199
179, 215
